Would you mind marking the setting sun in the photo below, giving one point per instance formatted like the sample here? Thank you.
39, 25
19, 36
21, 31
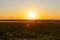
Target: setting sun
31, 15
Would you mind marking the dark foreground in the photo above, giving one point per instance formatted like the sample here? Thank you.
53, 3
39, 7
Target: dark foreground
47, 30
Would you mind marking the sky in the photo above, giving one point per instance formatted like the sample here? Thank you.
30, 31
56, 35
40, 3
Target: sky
17, 9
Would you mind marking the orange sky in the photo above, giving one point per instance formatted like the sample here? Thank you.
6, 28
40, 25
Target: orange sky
17, 9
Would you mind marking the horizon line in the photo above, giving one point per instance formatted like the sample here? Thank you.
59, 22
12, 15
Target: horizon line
28, 20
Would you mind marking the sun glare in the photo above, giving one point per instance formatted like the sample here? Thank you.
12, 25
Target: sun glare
31, 15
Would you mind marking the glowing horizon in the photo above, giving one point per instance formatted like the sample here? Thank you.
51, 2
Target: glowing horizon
17, 9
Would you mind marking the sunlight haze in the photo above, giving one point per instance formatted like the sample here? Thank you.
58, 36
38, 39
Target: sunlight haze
17, 9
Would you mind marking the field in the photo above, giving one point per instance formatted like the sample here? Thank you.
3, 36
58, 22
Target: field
45, 30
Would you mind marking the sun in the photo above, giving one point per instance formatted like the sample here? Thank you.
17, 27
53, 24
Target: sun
31, 15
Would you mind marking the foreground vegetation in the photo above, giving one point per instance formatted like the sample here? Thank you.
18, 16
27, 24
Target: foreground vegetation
35, 31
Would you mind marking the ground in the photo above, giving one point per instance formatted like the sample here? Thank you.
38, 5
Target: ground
35, 31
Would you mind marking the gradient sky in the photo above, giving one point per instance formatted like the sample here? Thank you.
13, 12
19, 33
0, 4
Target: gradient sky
16, 9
